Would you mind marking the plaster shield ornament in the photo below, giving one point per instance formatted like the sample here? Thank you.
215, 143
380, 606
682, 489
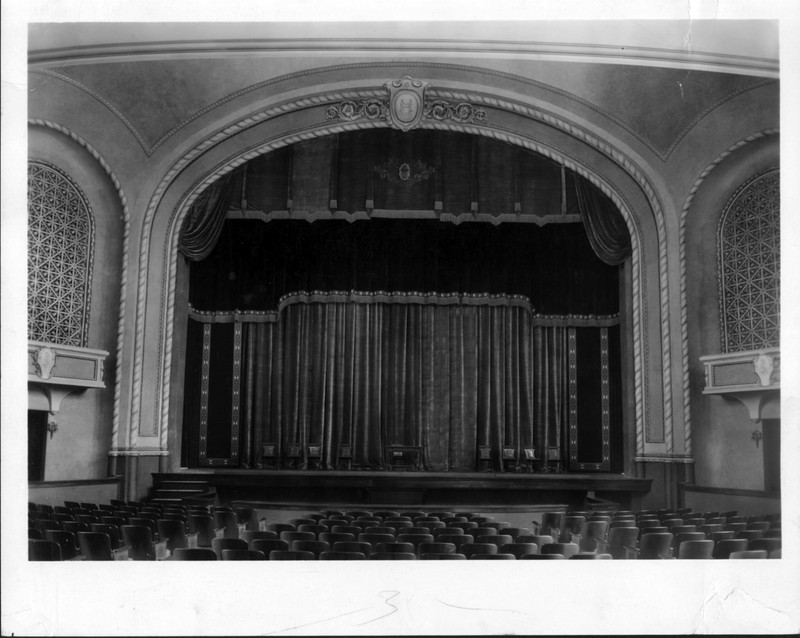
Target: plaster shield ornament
44, 359
406, 101
764, 366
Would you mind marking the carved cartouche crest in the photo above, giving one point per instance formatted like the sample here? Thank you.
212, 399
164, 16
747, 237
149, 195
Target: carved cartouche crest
44, 359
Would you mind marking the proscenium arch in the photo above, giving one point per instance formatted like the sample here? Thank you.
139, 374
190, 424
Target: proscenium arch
178, 214
229, 162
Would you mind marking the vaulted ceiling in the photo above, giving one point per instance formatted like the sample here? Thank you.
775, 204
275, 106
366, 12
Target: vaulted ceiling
654, 79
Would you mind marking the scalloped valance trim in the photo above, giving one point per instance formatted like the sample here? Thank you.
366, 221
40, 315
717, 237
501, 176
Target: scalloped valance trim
398, 297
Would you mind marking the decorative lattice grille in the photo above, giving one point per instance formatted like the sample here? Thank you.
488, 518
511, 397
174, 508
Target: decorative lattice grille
749, 252
60, 248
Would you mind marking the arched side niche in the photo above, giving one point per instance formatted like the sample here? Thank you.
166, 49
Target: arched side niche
213, 159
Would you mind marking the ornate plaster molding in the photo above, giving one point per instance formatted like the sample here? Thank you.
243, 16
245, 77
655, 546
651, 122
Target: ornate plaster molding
639, 305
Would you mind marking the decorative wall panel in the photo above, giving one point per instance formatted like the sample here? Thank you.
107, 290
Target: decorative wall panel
749, 266
60, 252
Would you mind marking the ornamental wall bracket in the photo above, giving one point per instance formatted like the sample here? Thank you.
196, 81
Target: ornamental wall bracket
405, 107
752, 377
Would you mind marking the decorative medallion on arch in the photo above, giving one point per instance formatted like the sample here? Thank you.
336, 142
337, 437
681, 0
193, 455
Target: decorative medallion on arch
60, 253
749, 266
405, 107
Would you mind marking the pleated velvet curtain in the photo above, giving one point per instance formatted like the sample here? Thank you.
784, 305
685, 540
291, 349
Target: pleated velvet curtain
445, 377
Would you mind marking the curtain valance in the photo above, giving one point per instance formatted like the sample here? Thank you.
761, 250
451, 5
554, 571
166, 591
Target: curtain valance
403, 298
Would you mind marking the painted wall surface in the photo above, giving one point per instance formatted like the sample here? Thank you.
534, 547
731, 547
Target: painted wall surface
55, 494
725, 453
79, 448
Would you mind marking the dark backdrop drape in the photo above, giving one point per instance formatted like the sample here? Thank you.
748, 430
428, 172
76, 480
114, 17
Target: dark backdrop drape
254, 264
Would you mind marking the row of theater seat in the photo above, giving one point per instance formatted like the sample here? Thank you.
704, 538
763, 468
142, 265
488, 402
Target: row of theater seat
142, 531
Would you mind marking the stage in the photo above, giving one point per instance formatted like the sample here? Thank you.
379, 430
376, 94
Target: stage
397, 488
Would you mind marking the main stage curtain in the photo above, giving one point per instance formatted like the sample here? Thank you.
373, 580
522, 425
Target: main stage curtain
447, 378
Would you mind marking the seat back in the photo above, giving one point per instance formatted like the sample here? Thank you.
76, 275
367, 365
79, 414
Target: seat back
768, 544
221, 544
315, 547
353, 546
66, 541
519, 549
394, 547
725, 547
374, 539
542, 557
268, 545
436, 548
250, 535
750, 553
278, 554
594, 535
196, 553
392, 556
655, 546
621, 542
139, 539
297, 536
434, 556
173, 531
470, 549
242, 554
493, 557
695, 549
278, 528
43, 550
228, 521
342, 556
565, 549
331, 537
95, 546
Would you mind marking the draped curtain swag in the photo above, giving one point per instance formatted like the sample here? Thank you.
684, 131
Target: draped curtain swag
607, 231
204, 221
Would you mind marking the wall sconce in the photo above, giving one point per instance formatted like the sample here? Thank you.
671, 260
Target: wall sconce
757, 436
52, 426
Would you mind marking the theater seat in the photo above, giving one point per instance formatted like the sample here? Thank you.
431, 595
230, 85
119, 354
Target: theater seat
435, 556
242, 554
493, 557
43, 550
196, 553
565, 549
542, 557
751, 553
268, 545
278, 554
724, 548
392, 556
221, 544
342, 556
519, 549
66, 541
95, 546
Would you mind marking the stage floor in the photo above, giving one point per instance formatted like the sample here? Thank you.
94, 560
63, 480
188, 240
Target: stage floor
408, 488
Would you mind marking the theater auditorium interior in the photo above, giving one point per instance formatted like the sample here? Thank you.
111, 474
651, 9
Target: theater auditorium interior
404, 291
